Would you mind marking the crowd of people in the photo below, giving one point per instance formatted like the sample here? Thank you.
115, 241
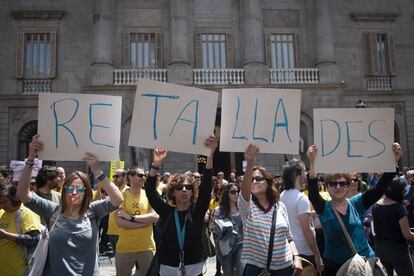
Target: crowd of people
291, 223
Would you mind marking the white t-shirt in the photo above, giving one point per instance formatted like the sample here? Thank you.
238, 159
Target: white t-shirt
296, 204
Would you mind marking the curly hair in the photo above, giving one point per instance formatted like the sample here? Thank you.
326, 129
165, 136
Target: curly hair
176, 179
45, 174
272, 194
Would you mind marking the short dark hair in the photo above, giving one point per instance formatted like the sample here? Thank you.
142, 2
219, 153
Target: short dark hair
45, 174
8, 189
395, 190
291, 169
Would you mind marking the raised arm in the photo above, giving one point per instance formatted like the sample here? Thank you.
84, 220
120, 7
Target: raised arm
110, 188
250, 157
153, 196
23, 188
204, 194
315, 198
373, 195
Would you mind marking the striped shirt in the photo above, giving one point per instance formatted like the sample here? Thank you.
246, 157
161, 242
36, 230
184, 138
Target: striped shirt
257, 226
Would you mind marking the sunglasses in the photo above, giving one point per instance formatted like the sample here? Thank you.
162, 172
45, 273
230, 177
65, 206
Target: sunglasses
142, 175
79, 189
196, 177
258, 178
180, 187
233, 192
334, 184
117, 176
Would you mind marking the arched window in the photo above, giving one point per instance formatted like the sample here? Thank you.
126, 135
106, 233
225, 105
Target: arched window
25, 137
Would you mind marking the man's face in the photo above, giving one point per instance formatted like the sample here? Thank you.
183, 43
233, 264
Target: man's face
118, 178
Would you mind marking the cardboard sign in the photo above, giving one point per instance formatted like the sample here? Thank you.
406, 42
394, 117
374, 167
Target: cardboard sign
17, 167
72, 124
173, 117
115, 165
354, 140
268, 118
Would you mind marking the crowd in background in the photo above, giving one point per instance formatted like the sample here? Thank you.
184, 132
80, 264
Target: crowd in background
283, 222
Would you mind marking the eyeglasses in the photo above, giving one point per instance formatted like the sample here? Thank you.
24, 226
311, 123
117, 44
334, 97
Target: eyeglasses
233, 192
334, 184
196, 177
117, 176
258, 178
180, 187
79, 189
141, 175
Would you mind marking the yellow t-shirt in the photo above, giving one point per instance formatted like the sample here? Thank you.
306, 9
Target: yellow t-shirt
138, 239
160, 187
213, 204
113, 228
11, 255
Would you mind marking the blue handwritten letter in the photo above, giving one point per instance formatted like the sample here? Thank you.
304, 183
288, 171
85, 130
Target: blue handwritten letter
156, 97
237, 121
195, 122
322, 135
91, 125
254, 124
349, 140
285, 122
57, 124
376, 139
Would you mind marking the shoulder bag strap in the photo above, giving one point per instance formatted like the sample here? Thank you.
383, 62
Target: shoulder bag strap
347, 237
272, 237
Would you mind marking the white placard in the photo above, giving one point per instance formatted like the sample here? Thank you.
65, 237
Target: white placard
17, 167
174, 117
268, 118
354, 140
72, 124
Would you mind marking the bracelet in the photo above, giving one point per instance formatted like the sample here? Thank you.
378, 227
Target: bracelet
132, 219
30, 163
101, 177
155, 168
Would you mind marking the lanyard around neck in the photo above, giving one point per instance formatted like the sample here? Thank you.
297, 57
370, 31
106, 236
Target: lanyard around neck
180, 231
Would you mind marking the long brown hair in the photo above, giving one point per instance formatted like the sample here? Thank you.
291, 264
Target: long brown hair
272, 195
180, 179
88, 191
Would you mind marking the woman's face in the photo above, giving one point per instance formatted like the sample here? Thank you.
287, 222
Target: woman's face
353, 186
233, 194
259, 184
338, 188
75, 192
183, 192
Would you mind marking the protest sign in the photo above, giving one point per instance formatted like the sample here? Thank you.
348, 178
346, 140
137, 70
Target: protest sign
17, 167
268, 118
72, 124
115, 165
354, 140
173, 117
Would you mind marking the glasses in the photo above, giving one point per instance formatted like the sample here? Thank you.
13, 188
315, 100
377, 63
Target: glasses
141, 175
117, 176
233, 192
180, 187
334, 184
79, 189
196, 177
355, 179
258, 178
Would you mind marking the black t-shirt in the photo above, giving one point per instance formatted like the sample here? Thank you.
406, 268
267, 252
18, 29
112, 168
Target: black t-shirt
386, 221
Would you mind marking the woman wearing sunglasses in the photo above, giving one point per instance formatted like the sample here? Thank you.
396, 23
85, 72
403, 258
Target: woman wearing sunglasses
229, 239
258, 201
182, 218
337, 250
73, 239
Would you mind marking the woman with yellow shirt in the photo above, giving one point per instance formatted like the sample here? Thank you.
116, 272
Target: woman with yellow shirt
19, 232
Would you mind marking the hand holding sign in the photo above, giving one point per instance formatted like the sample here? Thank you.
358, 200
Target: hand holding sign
35, 147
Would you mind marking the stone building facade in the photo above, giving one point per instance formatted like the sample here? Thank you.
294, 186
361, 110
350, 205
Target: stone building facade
338, 52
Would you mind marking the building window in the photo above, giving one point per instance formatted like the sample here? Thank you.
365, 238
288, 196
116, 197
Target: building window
36, 55
381, 52
379, 57
283, 51
213, 49
25, 137
143, 50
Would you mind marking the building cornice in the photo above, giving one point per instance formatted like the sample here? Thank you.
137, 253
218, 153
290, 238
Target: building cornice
30, 15
375, 17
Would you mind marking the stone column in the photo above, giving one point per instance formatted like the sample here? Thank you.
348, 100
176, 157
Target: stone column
101, 69
256, 72
179, 68
325, 55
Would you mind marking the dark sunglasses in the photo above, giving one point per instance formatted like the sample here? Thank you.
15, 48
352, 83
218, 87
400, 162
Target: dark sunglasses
117, 176
196, 177
79, 189
142, 175
233, 192
334, 184
180, 187
258, 178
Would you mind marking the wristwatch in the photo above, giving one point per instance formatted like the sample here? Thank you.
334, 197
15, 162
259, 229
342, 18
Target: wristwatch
132, 219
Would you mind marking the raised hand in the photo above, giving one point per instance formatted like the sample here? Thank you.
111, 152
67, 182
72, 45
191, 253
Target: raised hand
250, 153
396, 148
211, 143
35, 147
312, 152
92, 161
158, 156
